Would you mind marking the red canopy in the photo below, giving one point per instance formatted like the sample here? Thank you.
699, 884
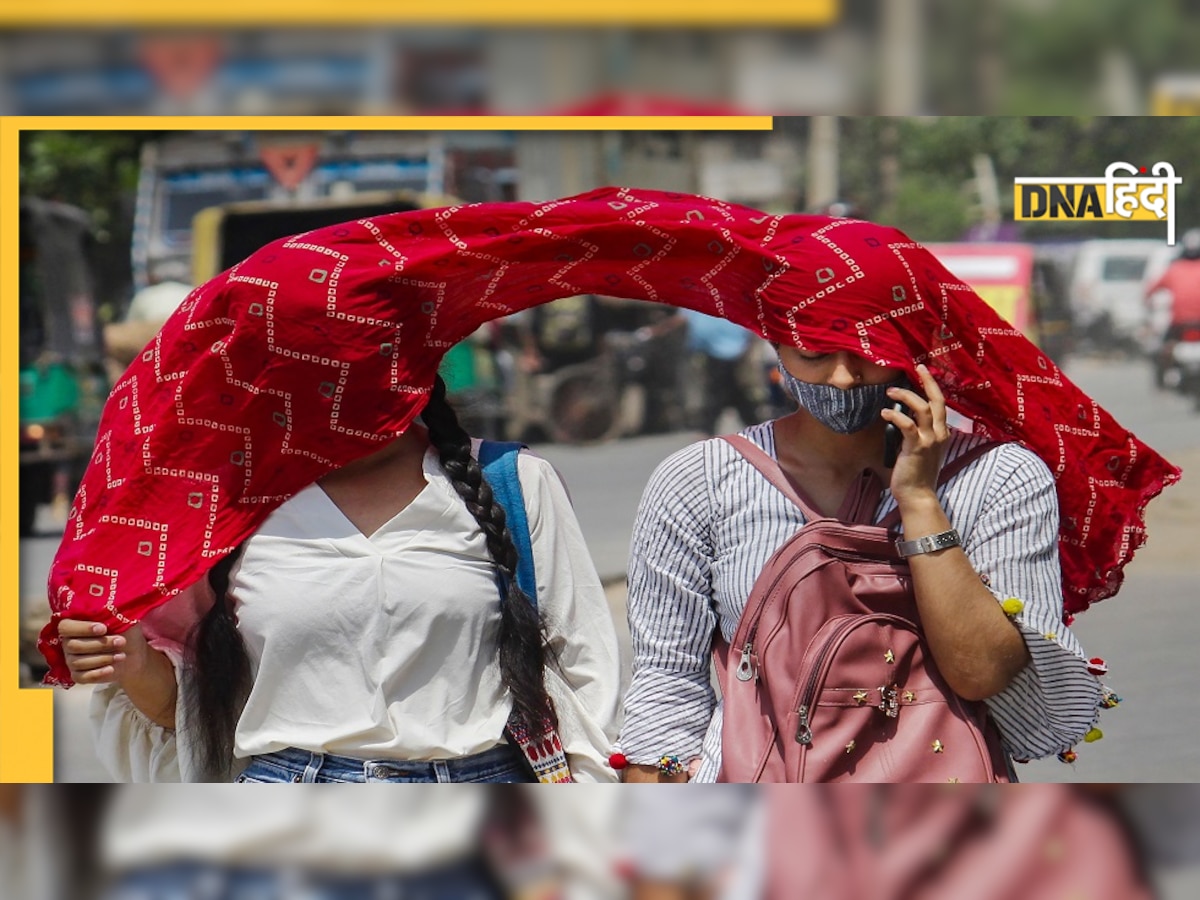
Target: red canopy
621, 104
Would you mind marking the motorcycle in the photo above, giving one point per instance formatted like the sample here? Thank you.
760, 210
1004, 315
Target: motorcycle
1184, 343
595, 401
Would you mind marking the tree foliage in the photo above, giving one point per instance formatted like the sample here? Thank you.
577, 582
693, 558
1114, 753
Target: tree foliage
96, 171
936, 197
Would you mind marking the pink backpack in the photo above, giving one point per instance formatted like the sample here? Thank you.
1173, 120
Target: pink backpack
985, 842
829, 677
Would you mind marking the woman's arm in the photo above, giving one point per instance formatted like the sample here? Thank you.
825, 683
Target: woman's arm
670, 701
978, 649
127, 660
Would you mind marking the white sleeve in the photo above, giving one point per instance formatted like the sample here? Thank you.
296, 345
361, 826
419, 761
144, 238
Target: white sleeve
581, 826
136, 750
585, 684
129, 745
1054, 700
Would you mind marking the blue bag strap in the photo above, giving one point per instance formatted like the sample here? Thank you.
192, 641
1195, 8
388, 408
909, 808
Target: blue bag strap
498, 459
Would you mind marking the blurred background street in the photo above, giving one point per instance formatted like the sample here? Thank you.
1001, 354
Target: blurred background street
902, 57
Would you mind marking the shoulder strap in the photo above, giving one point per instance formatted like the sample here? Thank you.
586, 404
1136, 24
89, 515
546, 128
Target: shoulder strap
772, 471
498, 459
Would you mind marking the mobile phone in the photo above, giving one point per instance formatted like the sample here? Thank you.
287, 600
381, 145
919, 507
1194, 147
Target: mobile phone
891, 438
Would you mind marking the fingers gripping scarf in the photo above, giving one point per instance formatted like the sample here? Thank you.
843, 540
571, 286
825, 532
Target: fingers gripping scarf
320, 347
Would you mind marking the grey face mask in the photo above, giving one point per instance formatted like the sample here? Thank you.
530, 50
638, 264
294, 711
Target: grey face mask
844, 411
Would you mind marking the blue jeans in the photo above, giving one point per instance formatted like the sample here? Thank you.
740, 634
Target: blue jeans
501, 764
467, 880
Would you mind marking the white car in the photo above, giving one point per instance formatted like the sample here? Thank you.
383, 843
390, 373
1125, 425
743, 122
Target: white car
1108, 286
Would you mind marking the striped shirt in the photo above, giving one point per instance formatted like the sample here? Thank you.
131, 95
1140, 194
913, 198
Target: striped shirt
706, 526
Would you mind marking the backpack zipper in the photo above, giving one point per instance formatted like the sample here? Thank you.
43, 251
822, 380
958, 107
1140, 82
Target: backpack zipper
804, 734
746, 670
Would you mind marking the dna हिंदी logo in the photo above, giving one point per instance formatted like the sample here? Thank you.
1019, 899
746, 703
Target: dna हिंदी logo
1125, 193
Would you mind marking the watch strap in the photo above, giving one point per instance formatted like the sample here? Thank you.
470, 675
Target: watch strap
929, 543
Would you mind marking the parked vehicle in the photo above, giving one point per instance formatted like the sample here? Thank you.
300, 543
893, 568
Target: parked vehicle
1023, 287
182, 173
61, 377
1107, 287
597, 368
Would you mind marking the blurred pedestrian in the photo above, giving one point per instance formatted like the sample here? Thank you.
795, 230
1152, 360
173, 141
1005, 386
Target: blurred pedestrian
452, 843
727, 355
914, 842
682, 845
1173, 305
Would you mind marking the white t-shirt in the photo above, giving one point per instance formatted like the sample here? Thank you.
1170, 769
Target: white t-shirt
419, 592
385, 646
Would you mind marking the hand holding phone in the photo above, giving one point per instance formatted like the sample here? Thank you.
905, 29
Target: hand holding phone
892, 437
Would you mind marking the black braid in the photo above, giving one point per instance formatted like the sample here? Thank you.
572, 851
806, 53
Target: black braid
523, 648
221, 674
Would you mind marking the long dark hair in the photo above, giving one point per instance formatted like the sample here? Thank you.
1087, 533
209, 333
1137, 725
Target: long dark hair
523, 646
221, 677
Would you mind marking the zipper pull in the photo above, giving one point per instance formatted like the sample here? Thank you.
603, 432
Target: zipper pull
746, 670
803, 732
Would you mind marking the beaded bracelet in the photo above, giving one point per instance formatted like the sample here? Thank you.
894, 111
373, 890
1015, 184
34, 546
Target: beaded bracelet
671, 765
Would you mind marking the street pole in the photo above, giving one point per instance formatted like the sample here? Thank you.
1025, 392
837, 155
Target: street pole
821, 184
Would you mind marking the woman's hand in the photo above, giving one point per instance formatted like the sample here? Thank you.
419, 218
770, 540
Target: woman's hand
636, 774
94, 656
924, 435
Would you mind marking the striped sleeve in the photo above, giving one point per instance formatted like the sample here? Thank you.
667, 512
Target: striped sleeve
671, 617
1013, 544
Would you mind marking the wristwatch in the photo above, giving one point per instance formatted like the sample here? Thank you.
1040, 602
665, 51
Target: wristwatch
929, 543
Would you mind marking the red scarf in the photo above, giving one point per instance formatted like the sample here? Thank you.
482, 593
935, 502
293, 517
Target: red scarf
320, 347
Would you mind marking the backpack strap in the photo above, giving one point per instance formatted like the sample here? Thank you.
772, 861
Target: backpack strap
498, 459
773, 472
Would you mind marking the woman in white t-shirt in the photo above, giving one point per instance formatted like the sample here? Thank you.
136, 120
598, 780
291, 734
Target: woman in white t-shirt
360, 636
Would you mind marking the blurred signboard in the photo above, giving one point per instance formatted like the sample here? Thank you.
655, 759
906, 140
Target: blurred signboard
1176, 95
999, 273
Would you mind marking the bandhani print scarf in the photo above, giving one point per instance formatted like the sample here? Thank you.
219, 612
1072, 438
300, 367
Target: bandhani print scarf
320, 347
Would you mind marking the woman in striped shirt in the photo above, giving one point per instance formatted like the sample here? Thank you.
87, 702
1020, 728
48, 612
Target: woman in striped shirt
708, 522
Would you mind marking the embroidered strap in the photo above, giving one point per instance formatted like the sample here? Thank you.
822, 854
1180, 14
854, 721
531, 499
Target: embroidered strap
498, 459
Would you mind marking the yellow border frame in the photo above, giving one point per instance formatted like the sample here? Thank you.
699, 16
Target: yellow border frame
26, 715
346, 13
